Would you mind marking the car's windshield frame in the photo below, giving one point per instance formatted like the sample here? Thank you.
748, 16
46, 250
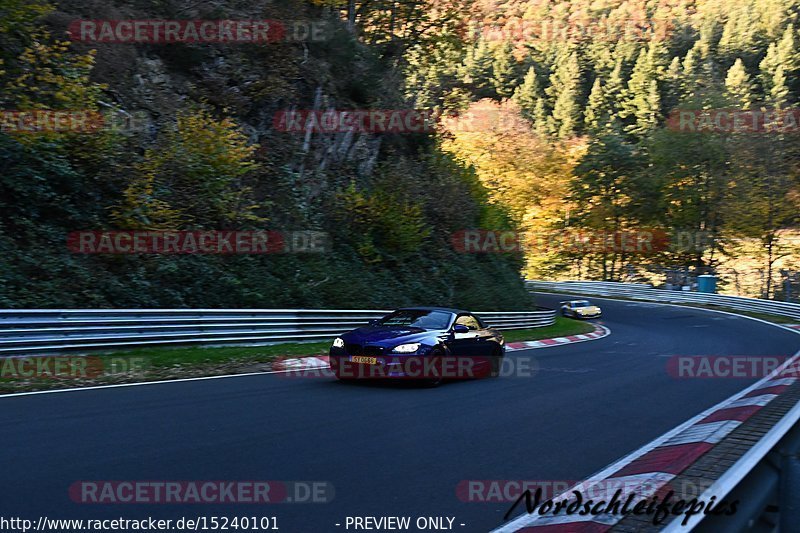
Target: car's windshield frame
581, 303
421, 314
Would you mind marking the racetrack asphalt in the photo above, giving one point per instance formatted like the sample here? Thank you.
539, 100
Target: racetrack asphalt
388, 450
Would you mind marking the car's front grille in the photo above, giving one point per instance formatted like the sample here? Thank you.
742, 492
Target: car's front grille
357, 349
373, 351
353, 349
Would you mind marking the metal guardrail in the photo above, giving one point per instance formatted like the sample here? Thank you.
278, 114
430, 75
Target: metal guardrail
47, 330
637, 291
766, 479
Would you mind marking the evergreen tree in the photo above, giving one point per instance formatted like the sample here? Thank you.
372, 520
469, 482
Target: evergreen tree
789, 57
692, 70
602, 57
740, 35
706, 45
738, 88
614, 90
787, 49
596, 113
541, 118
673, 84
565, 90
779, 92
778, 67
767, 68
657, 55
504, 71
642, 104
528, 93
478, 69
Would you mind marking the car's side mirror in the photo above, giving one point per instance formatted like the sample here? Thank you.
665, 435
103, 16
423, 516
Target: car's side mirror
460, 328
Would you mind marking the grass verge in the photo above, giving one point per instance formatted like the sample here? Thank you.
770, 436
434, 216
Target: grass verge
562, 328
163, 363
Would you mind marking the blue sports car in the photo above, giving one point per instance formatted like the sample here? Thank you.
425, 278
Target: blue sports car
427, 343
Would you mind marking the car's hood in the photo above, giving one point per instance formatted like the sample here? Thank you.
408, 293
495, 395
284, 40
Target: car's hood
590, 309
380, 335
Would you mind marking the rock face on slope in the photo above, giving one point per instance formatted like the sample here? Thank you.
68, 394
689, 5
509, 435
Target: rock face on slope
387, 201
317, 64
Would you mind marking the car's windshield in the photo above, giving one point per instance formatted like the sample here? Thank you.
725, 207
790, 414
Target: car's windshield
580, 304
417, 318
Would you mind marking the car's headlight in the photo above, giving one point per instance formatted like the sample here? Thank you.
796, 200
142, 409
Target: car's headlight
338, 342
406, 348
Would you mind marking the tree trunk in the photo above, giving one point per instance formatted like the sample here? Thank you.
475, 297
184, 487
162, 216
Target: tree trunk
351, 15
770, 261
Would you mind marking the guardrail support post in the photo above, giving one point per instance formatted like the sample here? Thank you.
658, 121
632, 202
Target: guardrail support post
789, 506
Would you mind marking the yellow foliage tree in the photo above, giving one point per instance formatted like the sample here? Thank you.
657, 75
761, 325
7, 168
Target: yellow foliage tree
522, 172
50, 76
195, 175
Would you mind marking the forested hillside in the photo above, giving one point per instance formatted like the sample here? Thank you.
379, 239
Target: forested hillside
197, 150
554, 117
598, 83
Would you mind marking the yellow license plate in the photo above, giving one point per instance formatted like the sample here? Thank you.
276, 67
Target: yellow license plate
364, 360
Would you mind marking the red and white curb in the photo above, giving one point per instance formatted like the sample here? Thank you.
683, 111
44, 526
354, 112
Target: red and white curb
793, 326
598, 333
302, 363
322, 361
649, 468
